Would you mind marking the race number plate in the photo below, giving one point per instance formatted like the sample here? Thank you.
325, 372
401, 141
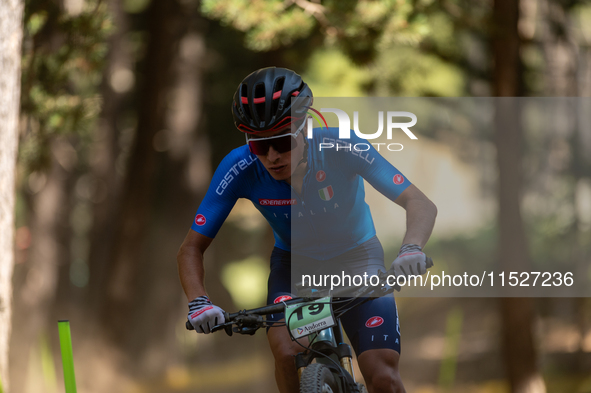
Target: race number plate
307, 318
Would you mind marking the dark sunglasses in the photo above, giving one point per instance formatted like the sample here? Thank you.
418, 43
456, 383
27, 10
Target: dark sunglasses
281, 143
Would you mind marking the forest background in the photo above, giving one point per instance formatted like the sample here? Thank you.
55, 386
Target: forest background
124, 111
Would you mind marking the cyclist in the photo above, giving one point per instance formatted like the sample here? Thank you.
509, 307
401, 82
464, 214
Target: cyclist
288, 178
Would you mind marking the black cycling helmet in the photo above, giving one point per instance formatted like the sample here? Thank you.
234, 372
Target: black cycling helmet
263, 102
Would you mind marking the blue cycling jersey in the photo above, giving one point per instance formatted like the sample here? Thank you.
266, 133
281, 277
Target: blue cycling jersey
328, 218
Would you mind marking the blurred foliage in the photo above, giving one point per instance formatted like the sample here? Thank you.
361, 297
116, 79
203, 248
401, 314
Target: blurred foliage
332, 74
398, 71
62, 64
356, 48
135, 6
269, 24
359, 27
404, 71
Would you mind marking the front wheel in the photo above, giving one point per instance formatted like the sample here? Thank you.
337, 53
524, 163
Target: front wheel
317, 378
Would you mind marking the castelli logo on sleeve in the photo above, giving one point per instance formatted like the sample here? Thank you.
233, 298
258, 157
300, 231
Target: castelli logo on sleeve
283, 298
200, 219
320, 176
374, 322
398, 179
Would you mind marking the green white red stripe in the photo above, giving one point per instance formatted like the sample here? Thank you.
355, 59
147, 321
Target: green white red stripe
326, 193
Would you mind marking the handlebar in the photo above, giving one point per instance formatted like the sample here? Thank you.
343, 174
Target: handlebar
248, 321
245, 315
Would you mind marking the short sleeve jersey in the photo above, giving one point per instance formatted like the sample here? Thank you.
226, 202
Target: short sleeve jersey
328, 218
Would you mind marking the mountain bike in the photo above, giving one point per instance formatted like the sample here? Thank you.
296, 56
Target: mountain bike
315, 314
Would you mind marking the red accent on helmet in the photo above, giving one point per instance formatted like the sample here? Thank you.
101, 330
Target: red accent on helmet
282, 124
260, 100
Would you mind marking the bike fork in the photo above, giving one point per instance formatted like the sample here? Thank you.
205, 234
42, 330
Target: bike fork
343, 350
333, 337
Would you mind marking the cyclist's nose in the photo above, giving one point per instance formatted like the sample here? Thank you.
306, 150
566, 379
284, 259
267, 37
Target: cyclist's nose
272, 154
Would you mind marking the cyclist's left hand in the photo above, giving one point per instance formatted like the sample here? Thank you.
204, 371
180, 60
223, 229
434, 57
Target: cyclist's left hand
411, 260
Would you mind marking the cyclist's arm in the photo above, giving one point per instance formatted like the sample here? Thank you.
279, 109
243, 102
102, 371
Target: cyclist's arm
190, 264
420, 215
390, 182
224, 190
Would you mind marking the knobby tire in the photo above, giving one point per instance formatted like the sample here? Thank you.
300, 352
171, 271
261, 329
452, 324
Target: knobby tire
317, 378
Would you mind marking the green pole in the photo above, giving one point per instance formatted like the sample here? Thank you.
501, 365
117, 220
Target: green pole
447, 372
67, 355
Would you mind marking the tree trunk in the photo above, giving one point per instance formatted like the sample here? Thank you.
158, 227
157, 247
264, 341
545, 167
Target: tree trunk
11, 32
116, 83
517, 313
117, 310
183, 149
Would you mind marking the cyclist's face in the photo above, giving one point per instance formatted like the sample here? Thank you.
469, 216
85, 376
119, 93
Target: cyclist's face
280, 165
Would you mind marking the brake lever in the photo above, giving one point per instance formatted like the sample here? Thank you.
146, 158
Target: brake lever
227, 326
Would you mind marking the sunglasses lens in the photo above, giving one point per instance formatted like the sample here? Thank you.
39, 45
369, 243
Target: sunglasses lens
281, 145
284, 144
259, 148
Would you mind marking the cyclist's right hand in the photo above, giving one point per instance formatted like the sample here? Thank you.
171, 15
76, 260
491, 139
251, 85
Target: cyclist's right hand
203, 315
411, 260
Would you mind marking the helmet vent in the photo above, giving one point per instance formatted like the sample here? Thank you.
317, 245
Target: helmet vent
245, 108
277, 88
259, 92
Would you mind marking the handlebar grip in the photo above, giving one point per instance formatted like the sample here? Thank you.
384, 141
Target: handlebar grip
189, 326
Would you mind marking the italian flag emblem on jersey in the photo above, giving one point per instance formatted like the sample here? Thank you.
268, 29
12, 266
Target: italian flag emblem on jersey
326, 193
